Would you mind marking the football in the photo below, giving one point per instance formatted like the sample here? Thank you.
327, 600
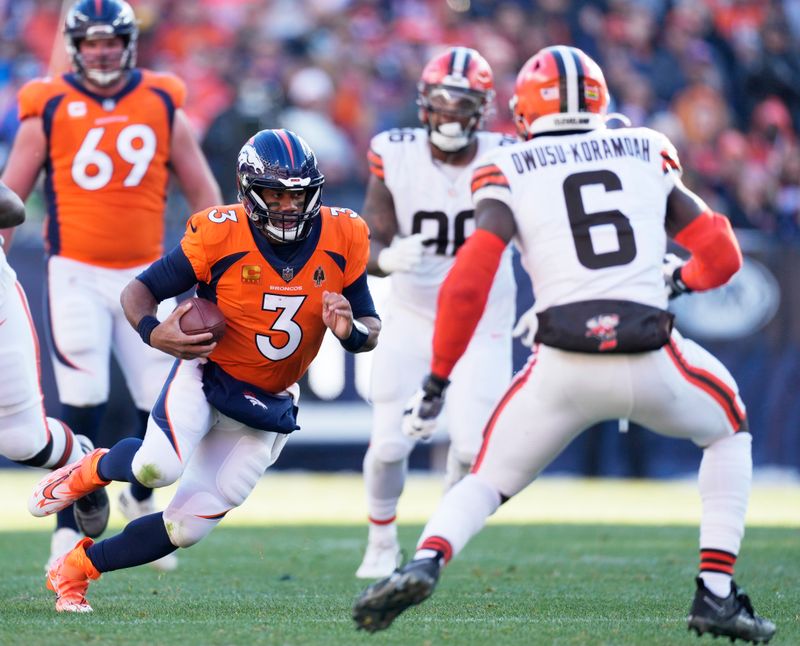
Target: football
204, 316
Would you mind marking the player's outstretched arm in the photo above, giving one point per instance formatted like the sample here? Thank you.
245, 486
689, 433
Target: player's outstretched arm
191, 168
140, 308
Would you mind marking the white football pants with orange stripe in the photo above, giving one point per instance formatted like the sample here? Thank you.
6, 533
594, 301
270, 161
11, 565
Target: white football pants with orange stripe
399, 365
217, 459
24, 429
87, 323
680, 391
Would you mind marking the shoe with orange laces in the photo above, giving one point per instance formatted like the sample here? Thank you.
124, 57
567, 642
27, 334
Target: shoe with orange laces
69, 578
62, 487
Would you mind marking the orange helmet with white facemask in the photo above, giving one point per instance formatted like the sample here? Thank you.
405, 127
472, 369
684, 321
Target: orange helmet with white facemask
559, 88
458, 84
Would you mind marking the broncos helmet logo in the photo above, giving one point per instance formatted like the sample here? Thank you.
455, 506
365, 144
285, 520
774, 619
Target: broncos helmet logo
249, 159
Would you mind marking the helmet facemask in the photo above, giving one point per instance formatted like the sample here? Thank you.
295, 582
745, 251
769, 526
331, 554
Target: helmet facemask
106, 68
283, 226
467, 110
281, 161
88, 22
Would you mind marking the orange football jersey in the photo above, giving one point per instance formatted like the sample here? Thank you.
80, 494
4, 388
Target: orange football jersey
106, 166
273, 308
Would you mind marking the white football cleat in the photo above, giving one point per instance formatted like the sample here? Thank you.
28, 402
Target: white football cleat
380, 559
133, 509
61, 542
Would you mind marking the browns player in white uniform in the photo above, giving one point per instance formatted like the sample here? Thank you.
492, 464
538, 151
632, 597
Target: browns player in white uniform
27, 435
591, 209
419, 209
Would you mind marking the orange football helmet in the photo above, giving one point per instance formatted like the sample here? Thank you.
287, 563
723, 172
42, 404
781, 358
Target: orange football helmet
457, 84
559, 88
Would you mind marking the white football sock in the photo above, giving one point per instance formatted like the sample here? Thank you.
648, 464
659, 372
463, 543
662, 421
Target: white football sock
724, 480
726, 472
462, 513
384, 482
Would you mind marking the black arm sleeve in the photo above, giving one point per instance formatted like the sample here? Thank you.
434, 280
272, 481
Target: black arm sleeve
357, 293
169, 276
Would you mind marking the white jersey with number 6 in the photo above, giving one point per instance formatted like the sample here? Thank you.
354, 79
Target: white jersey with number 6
589, 210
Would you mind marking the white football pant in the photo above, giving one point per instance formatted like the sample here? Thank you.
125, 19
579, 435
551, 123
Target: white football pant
24, 429
401, 361
87, 323
218, 460
680, 391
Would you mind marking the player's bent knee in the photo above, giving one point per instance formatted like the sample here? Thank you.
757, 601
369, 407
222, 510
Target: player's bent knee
23, 435
18, 443
393, 450
186, 530
16, 379
194, 519
155, 473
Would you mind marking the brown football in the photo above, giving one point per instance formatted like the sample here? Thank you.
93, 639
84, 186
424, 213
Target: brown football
204, 316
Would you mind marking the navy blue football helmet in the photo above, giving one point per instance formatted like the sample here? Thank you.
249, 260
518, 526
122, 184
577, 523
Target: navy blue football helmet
98, 19
279, 160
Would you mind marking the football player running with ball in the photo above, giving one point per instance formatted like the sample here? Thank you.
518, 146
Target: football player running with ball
107, 136
283, 269
419, 210
591, 209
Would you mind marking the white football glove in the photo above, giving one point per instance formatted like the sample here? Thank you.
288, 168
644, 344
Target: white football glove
525, 329
671, 270
419, 416
404, 254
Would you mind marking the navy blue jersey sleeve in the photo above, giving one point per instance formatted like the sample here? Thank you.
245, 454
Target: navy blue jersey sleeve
169, 276
357, 293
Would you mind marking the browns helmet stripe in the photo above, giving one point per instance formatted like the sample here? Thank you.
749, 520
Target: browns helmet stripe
459, 62
580, 79
562, 79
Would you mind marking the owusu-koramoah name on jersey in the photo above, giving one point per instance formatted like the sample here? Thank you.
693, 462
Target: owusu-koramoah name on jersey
599, 149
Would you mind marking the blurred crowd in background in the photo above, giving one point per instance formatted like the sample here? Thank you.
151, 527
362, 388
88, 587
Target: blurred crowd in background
720, 77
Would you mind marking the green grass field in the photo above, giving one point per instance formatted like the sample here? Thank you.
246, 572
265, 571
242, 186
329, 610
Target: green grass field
567, 562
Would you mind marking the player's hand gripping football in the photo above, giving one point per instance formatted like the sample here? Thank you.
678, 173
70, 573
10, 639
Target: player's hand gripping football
525, 329
419, 416
671, 270
404, 254
168, 337
337, 314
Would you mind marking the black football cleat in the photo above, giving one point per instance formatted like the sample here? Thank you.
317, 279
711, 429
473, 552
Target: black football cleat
92, 511
732, 616
407, 586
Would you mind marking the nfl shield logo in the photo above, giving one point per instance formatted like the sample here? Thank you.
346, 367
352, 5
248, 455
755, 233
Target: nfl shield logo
287, 274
